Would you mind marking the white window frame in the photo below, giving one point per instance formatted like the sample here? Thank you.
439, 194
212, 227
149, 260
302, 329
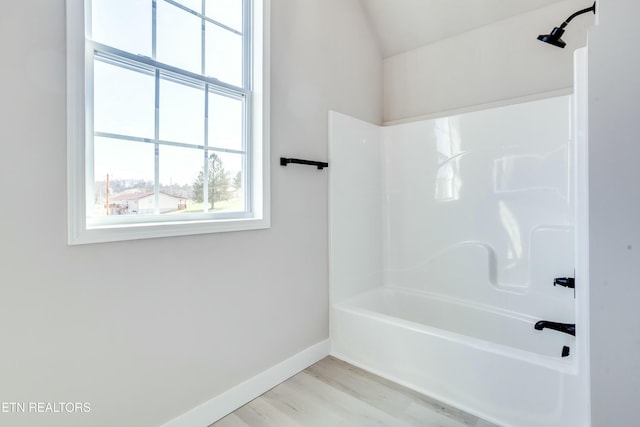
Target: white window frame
79, 151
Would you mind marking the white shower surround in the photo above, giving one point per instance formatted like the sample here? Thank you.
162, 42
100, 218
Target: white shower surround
445, 237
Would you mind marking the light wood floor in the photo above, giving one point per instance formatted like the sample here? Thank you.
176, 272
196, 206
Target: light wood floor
334, 393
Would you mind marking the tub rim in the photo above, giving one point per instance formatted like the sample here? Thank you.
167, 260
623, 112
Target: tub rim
564, 365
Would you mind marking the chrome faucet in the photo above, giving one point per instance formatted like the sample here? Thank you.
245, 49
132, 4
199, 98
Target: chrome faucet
567, 328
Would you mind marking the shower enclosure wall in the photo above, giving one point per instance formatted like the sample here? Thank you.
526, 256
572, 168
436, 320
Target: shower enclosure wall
446, 236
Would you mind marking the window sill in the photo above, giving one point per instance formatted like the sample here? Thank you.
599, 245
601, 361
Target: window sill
116, 233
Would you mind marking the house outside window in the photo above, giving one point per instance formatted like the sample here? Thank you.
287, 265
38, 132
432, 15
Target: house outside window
168, 119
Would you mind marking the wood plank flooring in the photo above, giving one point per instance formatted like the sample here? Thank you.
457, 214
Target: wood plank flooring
335, 393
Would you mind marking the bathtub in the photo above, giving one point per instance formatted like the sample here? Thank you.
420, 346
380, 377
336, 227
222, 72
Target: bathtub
487, 361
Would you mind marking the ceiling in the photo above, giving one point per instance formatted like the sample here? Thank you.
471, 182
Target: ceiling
402, 25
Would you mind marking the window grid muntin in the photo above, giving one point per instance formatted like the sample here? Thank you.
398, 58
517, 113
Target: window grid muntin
143, 64
203, 16
167, 143
203, 40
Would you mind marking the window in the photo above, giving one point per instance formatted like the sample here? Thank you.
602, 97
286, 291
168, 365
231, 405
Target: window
167, 118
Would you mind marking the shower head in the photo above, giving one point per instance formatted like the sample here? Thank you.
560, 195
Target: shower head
557, 32
554, 37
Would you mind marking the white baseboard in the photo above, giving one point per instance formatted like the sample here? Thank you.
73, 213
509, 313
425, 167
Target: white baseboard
227, 402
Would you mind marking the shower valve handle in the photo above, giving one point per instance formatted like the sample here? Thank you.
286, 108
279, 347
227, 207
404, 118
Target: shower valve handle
567, 282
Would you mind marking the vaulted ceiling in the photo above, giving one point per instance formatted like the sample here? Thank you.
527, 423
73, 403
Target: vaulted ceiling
403, 25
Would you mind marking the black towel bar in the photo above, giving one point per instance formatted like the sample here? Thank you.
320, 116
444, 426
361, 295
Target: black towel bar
285, 161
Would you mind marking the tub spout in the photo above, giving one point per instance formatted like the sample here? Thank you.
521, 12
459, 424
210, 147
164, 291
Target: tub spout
567, 328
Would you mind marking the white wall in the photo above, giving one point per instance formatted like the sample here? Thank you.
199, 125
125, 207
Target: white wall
614, 213
196, 315
488, 65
